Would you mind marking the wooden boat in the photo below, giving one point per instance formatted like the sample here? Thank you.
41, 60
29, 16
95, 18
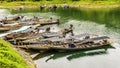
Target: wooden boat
4, 29
36, 47
40, 21
85, 44
21, 36
12, 18
53, 37
79, 45
33, 33
22, 33
46, 34
47, 22
12, 27
29, 38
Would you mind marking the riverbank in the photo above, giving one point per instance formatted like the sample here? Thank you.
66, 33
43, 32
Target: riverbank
13, 58
79, 4
26, 57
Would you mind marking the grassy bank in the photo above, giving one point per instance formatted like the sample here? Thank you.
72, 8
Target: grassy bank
88, 4
9, 58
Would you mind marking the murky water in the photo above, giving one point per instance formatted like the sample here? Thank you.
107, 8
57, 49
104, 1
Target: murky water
101, 22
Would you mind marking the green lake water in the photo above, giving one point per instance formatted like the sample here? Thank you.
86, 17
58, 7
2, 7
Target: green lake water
94, 21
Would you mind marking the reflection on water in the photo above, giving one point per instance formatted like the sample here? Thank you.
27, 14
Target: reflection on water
109, 17
87, 53
71, 55
52, 59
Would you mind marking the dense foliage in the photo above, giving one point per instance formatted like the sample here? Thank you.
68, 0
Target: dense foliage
9, 58
58, 0
47, 2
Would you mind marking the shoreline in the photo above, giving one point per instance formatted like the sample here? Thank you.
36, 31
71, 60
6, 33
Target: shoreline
11, 57
96, 6
70, 5
26, 57
83, 6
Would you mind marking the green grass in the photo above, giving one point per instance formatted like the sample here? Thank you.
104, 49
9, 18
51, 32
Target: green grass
13, 4
9, 58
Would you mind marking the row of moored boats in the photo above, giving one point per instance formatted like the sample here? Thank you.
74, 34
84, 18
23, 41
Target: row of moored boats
39, 33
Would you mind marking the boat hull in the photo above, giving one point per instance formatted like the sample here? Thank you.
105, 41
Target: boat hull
77, 49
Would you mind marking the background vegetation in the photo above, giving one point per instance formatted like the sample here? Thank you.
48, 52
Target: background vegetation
74, 3
9, 58
59, 0
14, 3
64, 1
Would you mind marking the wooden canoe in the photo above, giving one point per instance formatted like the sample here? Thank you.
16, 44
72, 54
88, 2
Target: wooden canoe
7, 28
103, 41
